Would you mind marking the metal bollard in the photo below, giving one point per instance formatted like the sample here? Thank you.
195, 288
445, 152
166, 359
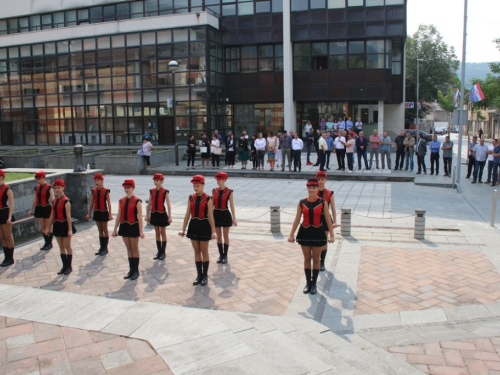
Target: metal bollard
419, 233
345, 222
177, 154
494, 208
275, 219
78, 150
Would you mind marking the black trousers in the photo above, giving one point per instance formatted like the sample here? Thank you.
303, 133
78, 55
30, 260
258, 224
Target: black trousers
435, 160
191, 156
421, 163
297, 163
230, 157
471, 165
400, 158
447, 165
341, 158
321, 160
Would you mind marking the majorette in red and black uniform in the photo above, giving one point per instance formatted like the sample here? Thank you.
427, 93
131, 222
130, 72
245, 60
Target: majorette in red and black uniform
101, 211
159, 216
311, 232
199, 226
222, 215
42, 194
129, 221
59, 218
4, 204
326, 195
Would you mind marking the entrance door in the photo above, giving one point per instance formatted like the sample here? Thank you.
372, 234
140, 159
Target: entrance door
6, 131
166, 131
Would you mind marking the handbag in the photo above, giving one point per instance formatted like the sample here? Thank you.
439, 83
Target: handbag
203, 150
140, 152
217, 151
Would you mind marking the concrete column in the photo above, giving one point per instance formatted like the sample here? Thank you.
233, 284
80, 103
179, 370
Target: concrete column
380, 117
275, 219
345, 222
419, 232
289, 111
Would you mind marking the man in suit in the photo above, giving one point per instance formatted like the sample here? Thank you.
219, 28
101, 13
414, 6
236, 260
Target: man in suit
361, 146
421, 151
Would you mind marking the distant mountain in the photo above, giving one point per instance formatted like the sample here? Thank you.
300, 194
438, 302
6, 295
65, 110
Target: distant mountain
474, 70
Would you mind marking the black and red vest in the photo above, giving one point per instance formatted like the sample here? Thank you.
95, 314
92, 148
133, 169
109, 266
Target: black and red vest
157, 199
58, 209
221, 198
42, 194
128, 210
3, 196
199, 206
100, 199
326, 195
312, 211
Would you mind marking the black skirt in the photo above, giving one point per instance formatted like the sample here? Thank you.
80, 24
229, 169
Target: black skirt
4, 214
101, 216
43, 212
223, 218
159, 219
199, 230
60, 229
128, 230
323, 222
312, 236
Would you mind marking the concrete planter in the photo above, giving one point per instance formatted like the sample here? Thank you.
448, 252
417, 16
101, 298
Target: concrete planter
18, 160
129, 163
65, 160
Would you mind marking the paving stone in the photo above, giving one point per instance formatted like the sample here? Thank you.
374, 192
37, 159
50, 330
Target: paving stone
115, 359
17, 341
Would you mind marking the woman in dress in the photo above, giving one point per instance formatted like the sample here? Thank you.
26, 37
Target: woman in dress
204, 144
260, 147
62, 227
129, 218
6, 220
311, 236
147, 146
191, 151
327, 195
100, 205
40, 207
231, 151
272, 145
215, 151
201, 230
223, 200
244, 155
160, 217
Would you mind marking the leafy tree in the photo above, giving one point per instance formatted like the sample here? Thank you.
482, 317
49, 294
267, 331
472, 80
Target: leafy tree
447, 102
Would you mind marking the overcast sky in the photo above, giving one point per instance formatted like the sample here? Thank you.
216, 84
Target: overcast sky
448, 16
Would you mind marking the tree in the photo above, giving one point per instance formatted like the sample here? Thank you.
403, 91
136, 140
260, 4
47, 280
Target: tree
447, 102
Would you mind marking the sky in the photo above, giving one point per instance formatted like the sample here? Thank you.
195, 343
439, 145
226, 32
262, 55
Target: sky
448, 16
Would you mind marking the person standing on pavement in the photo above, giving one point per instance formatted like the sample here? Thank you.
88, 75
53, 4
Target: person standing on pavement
272, 145
322, 145
385, 150
222, 202
311, 236
230, 151
317, 136
204, 144
297, 146
41, 207
308, 127
409, 144
6, 220
434, 148
471, 162
322, 124
349, 152
359, 125
243, 151
329, 198
161, 217
480, 155
260, 147
341, 126
400, 150
421, 151
496, 164
100, 206
215, 151
329, 125
201, 230
361, 145
330, 144
286, 150
147, 146
253, 153
348, 124
491, 147
374, 147
447, 148
309, 143
191, 151
340, 150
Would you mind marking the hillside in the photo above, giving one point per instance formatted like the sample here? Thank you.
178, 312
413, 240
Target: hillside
474, 70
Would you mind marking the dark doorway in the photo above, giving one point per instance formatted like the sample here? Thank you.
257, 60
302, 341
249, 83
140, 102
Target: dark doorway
364, 115
7, 136
166, 131
375, 117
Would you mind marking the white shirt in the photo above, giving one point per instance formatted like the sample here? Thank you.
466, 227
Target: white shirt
214, 144
342, 125
337, 143
260, 144
308, 128
490, 156
297, 144
358, 124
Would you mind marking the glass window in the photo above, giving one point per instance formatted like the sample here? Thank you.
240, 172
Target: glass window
278, 64
122, 11
299, 5
118, 41
245, 9
181, 35
394, 2
83, 14
178, 4
248, 52
338, 48
302, 63
278, 50
357, 47
47, 21
262, 7
249, 66
338, 62
232, 66
137, 9
277, 6
318, 4
151, 7
109, 13
232, 52
13, 25
164, 36
59, 19
301, 49
229, 10
3, 27
265, 64
375, 61
197, 34
374, 46
356, 62
69, 16
89, 44
148, 38
336, 4
133, 40
355, 3
23, 23
96, 14
103, 42
266, 51
320, 48
374, 3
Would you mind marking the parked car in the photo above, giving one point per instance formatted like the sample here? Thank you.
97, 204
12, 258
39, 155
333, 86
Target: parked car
426, 136
441, 131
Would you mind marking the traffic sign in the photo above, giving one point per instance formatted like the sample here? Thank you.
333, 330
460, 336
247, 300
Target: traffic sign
409, 105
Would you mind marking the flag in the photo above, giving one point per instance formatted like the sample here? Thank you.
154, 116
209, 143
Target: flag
457, 96
476, 94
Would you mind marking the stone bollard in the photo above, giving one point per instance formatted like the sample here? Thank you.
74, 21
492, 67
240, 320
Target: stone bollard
275, 219
345, 222
419, 224
78, 150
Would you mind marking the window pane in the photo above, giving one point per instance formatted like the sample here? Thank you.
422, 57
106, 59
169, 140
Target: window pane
265, 64
248, 51
356, 47
357, 62
109, 13
266, 51
122, 11
302, 63
59, 19
317, 4
96, 14
278, 64
336, 4
229, 10
394, 2
232, 66
299, 5
262, 7
83, 14
249, 66
181, 35
338, 62
245, 9
374, 46
355, 3
338, 48
137, 9
375, 61
301, 49
277, 6
374, 3
319, 49
232, 52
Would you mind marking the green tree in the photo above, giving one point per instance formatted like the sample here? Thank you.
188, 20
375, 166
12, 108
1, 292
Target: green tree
447, 102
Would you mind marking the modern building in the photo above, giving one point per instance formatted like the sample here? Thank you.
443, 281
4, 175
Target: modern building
97, 72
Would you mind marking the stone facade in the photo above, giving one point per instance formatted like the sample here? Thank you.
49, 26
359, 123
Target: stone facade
130, 164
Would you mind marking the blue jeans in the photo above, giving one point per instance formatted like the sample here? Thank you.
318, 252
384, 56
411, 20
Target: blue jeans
308, 148
409, 157
495, 173
362, 154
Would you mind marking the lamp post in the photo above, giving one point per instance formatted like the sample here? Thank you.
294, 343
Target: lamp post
418, 100
173, 66
462, 100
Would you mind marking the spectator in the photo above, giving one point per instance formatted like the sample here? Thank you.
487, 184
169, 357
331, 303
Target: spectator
286, 150
471, 163
434, 147
358, 125
322, 151
447, 148
253, 153
215, 151
297, 146
309, 142
385, 150
231, 151
349, 148
322, 124
480, 132
335, 128
409, 144
229, 133
146, 152
329, 125
348, 124
400, 150
340, 150
204, 144
341, 125
329, 143
317, 136
217, 135
374, 147
272, 146
361, 145
260, 147
496, 165
243, 153
308, 127
421, 150
278, 151
480, 154
490, 159
191, 151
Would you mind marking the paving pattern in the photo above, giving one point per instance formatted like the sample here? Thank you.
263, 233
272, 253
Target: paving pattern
464, 357
35, 348
394, 279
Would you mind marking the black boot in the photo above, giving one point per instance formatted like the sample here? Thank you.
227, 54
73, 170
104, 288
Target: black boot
163, 249
8, 257
48, 246
158, 247
69, 259
224, 254
313, 282
323, 257
100, 247
45, 238
135, 265
221, 253
307, 288
199, 266
130, 269
63, 269
204, 279
104, 250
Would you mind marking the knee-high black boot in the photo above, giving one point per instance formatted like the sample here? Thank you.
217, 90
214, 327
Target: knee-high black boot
224, 257
314, 280
130, 269
45, 238
104, 250
158, 247
63, 269
48, 246
204, 279
307, 272
221, 253
69, 259
323, 257
163, 249
8, 257
199, 266
135, 265
100, 247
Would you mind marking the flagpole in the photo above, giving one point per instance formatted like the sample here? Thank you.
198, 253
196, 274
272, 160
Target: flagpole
462, 100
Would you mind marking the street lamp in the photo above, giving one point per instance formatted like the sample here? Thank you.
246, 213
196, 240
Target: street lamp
173, 66
418, 102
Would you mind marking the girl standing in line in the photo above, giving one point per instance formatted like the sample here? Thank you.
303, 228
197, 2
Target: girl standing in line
62, 227
327, 195
311, 236
6, 220
160, 217
40, 207
201, 227
223, 199
129, 218
100, 205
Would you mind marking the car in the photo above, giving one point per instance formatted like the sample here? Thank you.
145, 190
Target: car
426, 136
441, 131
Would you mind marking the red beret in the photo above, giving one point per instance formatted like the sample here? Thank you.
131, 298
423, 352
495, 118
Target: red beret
128, 183
221, 176
59, 183
39, 174
2, 173
198, 179
98, 176
320, 174
158, 176
312, 182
